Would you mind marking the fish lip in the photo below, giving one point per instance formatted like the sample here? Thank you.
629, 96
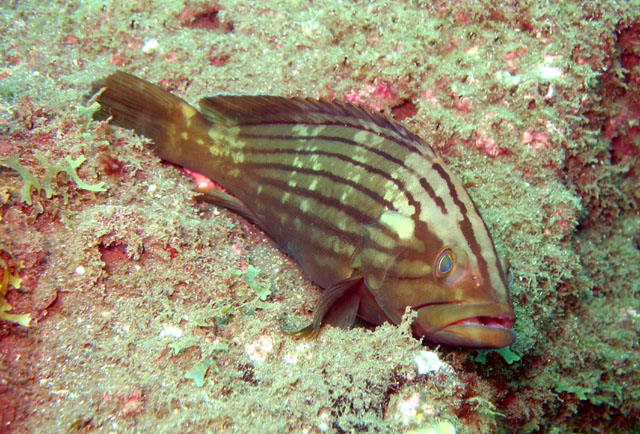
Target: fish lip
464, 324
493, 321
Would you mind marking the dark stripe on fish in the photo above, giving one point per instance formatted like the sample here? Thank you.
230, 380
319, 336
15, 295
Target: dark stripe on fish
322, 173
324, 200
412, 145
437, 199
423, 182
287, 167
501, 270
465, 225
354, 143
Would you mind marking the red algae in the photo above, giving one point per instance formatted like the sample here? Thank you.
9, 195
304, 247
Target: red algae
534, 106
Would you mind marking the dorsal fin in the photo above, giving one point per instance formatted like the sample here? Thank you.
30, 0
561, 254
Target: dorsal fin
239, 110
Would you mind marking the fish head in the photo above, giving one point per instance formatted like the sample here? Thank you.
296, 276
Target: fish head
462, 305
460, 293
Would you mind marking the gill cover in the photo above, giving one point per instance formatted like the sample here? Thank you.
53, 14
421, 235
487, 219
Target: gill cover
386, 244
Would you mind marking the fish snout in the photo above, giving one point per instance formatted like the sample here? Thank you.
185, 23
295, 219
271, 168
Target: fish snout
469, 325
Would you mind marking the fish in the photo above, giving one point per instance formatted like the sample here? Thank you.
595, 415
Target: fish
370, 212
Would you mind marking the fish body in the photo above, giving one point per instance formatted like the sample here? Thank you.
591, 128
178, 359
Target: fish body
369, 211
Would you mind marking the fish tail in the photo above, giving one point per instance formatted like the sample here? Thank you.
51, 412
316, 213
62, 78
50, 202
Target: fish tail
170, 122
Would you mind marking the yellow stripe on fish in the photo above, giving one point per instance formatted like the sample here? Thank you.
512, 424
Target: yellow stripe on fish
369, 211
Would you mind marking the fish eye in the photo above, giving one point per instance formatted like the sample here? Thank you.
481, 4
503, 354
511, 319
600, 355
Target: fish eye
451, 265
444, 263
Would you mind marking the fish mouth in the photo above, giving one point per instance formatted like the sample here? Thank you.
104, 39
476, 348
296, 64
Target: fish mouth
468, 325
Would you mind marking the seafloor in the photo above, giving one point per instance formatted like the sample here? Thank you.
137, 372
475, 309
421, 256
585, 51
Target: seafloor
149, 311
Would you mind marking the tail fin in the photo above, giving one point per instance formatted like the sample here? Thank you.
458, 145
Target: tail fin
146, 108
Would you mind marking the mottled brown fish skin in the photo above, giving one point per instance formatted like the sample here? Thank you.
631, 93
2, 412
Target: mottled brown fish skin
368, 210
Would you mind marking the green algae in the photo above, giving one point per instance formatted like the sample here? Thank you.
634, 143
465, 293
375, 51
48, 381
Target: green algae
506, 353
198, 372
29, 182
183, 344
575, 288
69, 166
250, 278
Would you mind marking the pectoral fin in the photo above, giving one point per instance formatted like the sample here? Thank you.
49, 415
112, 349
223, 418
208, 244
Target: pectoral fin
343, 312
338, 306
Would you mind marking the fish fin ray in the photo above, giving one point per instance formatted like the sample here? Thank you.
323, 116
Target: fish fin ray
344, 317
220, 198
134, 103
232, 110
343, 312
330, 296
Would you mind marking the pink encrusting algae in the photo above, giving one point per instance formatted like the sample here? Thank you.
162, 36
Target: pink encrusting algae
153, 311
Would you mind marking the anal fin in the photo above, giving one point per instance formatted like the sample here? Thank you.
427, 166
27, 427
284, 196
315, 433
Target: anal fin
225, 200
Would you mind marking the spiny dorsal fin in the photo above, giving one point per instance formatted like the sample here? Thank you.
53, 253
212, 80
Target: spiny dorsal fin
241, 110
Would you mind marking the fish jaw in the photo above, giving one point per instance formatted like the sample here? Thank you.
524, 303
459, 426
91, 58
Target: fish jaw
468, 325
